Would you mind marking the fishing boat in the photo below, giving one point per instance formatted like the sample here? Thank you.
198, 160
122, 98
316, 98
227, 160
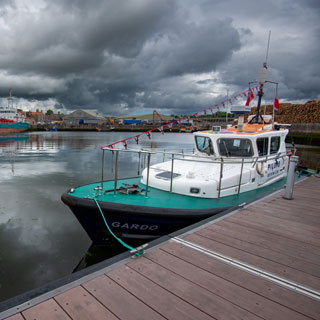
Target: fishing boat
227, 168
10, 120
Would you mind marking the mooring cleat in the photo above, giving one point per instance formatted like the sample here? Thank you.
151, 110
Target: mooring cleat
138, 251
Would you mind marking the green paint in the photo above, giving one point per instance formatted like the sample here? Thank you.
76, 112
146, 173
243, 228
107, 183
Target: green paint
163, 199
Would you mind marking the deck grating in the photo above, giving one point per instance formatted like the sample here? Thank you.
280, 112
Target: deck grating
173, 281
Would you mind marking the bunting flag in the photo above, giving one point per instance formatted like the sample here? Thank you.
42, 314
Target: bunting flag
161, 130
276, 104
247, 94
250, 97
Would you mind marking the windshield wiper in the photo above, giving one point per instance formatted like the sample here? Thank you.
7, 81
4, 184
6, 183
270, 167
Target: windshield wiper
227, 151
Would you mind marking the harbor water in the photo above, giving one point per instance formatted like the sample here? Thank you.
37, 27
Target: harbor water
40, 239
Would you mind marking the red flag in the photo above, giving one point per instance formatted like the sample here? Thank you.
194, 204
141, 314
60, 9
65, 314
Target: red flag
276, 103
249, 98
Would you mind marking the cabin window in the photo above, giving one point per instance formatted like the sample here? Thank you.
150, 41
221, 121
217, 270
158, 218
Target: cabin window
275, 145
262, 145
204, 144
235, 147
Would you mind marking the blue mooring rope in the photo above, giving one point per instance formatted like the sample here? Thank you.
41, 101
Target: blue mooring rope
136, 252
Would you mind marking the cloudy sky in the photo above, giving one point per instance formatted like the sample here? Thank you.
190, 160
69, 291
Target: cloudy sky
134, 56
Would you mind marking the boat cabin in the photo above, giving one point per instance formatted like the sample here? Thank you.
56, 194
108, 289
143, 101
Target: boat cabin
226, 162
253, 141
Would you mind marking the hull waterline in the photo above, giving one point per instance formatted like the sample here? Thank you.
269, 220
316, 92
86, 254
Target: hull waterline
132, 221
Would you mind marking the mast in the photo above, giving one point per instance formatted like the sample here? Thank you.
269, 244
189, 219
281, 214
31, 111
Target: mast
262, 79
10, 99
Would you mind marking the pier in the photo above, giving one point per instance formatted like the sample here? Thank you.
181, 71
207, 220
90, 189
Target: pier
259, 262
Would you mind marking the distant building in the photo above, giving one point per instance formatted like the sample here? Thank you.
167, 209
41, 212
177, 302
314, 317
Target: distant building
83, 118
145, 118
35, 118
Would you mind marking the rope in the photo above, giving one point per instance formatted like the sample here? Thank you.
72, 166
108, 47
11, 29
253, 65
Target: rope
133, 250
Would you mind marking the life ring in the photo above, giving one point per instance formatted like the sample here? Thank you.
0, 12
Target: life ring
261, 169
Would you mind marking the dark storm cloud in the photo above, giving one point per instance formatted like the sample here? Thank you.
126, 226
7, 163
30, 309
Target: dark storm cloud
127, 56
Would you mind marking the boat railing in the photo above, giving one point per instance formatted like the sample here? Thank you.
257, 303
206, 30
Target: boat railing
183, 155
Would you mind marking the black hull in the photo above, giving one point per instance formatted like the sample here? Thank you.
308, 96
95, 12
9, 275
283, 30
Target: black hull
130, 221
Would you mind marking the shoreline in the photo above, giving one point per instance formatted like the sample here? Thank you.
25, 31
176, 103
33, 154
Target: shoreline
305, 137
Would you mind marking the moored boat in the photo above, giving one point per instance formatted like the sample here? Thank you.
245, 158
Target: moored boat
10, 120
228, 167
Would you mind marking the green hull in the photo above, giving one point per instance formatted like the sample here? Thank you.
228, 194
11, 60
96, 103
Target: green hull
145, 217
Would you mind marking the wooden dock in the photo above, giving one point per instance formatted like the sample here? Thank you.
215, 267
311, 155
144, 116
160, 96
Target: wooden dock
261, 262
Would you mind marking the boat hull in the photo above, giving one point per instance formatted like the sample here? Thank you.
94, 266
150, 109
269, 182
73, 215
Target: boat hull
13, 127
132, 221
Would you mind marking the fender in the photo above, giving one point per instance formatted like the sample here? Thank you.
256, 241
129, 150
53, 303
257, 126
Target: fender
261, 169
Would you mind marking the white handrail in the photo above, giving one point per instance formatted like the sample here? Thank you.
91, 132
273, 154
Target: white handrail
188, 157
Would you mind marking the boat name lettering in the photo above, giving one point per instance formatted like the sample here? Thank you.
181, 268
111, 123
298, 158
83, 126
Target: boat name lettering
134, 226
274, 165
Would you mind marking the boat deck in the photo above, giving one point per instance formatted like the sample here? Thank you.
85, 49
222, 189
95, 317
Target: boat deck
261, 262
164, 199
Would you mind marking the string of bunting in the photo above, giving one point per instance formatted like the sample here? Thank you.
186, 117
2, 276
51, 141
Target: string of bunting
245, 94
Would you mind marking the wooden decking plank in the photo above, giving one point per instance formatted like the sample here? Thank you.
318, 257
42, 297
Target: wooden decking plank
305, 208
122, 303
265, 253
310, 181
240, 296
197, 296
276, 293
17, 316
276, 228
81, 305
166, 303
252, 213
291, 214
48, 310
268, 240
306, 190
271, 266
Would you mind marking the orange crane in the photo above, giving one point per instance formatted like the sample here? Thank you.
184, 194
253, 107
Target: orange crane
155, 112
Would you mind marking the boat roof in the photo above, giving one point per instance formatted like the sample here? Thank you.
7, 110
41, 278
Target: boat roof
248, 130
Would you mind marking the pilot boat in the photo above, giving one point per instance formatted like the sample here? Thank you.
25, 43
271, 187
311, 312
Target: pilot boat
229, 167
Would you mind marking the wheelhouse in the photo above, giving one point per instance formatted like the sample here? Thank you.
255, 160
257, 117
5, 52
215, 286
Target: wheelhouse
226, 144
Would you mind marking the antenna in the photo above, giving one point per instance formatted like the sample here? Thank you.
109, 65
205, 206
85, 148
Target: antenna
262, 78
268, 47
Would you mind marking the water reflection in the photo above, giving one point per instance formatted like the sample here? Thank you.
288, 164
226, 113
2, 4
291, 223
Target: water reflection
40, 239
309, 156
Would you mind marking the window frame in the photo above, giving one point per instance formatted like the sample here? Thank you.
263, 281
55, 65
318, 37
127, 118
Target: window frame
274, 137
265, 148
236, 155
209, 151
